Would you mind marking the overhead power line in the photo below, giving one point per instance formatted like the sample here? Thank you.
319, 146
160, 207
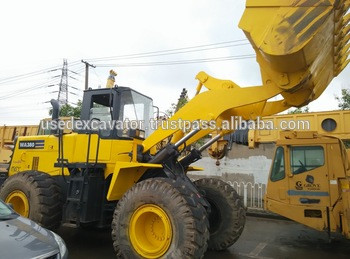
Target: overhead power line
32, 74
16, 93
179, 62
23, 108
23, 76
168, 50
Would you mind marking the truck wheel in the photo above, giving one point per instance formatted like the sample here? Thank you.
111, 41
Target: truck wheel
227, 217
159, 218
34, 195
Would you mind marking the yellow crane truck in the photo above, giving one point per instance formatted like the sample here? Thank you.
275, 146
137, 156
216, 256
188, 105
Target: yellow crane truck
309, 181
116, 176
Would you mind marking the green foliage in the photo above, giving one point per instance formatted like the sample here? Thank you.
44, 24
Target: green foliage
299, 110
181, 103
170, 112
68, 110
344, 100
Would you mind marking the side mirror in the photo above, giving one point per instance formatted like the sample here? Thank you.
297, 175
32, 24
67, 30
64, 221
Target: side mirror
55, 113
55, 109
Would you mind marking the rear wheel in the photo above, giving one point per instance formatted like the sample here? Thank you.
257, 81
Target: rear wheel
227, 217
34, 195
158, 218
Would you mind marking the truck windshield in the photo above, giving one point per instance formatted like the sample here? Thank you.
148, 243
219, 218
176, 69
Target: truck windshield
136, 111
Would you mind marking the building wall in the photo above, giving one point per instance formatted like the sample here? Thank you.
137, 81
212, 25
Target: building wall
241, 164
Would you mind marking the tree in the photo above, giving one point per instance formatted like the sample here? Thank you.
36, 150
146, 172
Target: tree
181, 103
68, 110
171, 111
344, 100
299, 110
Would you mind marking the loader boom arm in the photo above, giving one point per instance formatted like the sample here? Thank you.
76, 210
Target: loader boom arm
300, 45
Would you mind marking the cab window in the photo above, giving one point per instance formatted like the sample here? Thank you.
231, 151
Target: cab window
304, 159
136, 111
278, 170
102, 109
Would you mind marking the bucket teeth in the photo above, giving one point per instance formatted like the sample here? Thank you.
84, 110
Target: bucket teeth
342, 23
342, 36
345, 50
342, 53
339, 44
341, 10
343, 59
345, 30
346, 19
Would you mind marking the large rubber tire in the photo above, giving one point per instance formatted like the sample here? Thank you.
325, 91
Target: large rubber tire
188, 219
227, 217
43, 196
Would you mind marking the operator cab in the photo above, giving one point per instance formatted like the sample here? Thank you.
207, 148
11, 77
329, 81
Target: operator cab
117, 113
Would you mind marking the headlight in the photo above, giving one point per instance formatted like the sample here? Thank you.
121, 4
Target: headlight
61, 245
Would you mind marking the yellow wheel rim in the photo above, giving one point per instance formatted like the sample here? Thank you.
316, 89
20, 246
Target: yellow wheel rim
19, 202
150, 231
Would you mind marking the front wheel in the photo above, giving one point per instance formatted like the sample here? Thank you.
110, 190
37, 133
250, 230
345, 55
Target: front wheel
34, 195
158, 218
227, 217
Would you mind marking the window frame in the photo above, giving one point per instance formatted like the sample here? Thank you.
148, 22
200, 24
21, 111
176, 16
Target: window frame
305, 159
273, 165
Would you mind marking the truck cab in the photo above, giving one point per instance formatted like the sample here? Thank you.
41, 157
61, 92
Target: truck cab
308, 181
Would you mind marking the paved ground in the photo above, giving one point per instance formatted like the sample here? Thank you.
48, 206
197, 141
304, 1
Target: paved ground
261, 239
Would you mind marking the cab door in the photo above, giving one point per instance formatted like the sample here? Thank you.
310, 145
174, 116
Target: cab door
308, 176
278, 181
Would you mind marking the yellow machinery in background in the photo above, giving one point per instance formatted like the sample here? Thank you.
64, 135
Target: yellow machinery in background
309, 176
114, 175
268, 129
309, 181
7, 136
331, 123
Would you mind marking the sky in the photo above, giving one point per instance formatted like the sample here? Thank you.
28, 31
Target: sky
37, 35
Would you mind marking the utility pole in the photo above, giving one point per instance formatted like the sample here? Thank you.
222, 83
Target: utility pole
87, 65
63, 86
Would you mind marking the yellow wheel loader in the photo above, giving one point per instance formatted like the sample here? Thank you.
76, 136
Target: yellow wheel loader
98, 175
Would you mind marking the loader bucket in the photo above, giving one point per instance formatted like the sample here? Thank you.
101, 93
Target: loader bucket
301, 45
